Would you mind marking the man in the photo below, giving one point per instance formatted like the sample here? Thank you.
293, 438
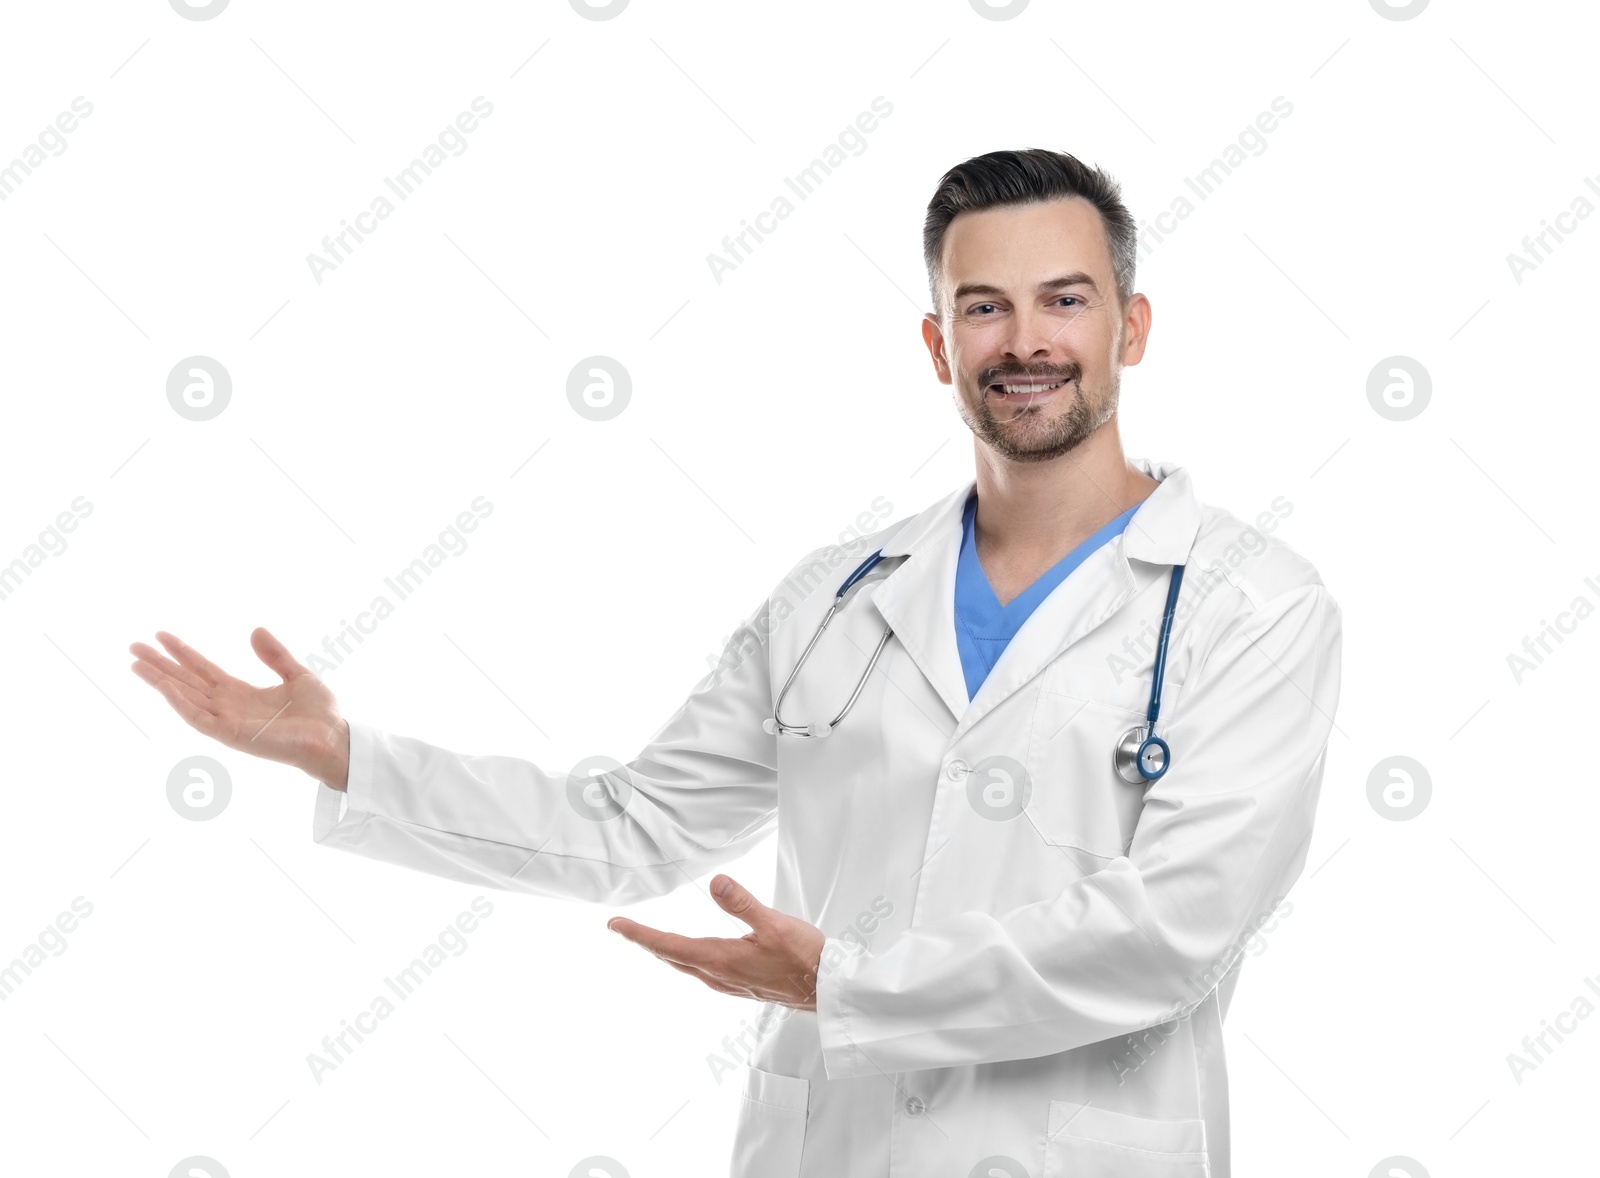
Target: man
989, 952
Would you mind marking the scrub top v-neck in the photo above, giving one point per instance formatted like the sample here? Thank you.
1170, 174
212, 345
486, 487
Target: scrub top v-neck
984, 627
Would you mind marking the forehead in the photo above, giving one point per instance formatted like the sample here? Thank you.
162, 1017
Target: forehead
1019, 245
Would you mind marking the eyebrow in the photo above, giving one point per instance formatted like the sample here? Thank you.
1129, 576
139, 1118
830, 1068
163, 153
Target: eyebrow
1077, 278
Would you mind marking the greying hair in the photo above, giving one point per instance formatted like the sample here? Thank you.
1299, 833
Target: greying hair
1003, 178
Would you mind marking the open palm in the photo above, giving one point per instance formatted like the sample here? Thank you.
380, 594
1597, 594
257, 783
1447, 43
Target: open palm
295, 721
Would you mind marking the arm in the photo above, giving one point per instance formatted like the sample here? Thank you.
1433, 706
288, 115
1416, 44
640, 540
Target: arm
1221, 838
701, 793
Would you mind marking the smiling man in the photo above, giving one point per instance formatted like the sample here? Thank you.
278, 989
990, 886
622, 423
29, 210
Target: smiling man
1045, 761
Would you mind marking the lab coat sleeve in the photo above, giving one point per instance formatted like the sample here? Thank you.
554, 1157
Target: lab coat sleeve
701, 793
1222, 836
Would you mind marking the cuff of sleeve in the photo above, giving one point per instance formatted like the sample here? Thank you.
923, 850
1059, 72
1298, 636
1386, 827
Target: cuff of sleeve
357, 795
840, 1055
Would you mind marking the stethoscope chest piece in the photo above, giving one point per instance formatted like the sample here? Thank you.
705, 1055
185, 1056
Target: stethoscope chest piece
1141, 756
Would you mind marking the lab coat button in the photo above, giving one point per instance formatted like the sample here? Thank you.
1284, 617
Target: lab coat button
956, 769
914, 1106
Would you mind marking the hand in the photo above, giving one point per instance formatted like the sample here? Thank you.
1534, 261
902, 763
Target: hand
775, 962
295, 722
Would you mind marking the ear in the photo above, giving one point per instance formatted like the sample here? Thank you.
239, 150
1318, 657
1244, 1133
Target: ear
1135, 329
933, 336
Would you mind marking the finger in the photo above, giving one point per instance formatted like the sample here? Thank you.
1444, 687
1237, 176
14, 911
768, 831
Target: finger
185, 700
162, 663
197, 697
732, 897
704, 952
192, 658
276, 655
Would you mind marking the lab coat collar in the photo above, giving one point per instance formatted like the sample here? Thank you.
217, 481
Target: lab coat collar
918, 598
1162, 531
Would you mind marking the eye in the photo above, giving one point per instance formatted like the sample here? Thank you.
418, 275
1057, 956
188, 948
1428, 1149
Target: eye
979, 307
1074, 298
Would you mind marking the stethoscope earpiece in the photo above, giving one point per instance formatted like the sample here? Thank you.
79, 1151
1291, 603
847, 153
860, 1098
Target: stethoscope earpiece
770, 726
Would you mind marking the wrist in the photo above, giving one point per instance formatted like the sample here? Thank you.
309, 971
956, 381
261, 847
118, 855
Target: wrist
332, 767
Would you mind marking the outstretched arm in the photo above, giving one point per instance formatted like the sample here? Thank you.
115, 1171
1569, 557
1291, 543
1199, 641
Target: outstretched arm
701, 793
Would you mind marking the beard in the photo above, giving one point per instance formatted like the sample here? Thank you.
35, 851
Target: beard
1029, 434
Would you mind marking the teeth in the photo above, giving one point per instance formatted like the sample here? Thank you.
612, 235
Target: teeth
1031, 388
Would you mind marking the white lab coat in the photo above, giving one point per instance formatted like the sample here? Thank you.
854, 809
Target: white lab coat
1042, 993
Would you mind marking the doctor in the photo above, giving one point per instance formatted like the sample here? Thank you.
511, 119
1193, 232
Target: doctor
997, 945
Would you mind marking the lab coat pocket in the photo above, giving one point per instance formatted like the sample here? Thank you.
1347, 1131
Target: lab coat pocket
1088, 1142
772, 1125
1076, 798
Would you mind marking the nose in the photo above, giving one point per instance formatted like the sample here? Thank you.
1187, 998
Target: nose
1031, 337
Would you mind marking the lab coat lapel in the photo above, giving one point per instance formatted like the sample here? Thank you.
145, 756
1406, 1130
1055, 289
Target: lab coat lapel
918, 598
1091, 593
1159, 535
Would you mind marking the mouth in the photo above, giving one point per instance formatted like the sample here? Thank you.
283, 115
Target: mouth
1024, 391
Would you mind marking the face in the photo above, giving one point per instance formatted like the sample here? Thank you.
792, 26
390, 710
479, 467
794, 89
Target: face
1030, 333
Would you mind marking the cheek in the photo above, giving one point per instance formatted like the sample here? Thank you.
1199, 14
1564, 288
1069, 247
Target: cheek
973, 358
977, 344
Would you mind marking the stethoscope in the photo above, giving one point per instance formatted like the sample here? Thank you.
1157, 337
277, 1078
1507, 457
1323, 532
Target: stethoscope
1140, 756
776, 725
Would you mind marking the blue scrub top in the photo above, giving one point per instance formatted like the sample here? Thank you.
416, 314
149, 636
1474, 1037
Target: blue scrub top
983, 626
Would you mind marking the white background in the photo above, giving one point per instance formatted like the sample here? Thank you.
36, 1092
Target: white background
767, 411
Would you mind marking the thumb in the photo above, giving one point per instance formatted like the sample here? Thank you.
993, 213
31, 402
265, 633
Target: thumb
276, 655
732, 897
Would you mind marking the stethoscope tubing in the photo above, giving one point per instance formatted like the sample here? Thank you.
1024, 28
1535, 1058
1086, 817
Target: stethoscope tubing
1159, 671
776, 725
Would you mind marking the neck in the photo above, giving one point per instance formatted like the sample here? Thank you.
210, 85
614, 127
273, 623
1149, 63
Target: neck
1031, 511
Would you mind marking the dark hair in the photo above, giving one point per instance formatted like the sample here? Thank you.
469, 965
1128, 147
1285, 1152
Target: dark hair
1024, 177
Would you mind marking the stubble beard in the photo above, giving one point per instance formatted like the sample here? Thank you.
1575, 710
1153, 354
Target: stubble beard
1028, 435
